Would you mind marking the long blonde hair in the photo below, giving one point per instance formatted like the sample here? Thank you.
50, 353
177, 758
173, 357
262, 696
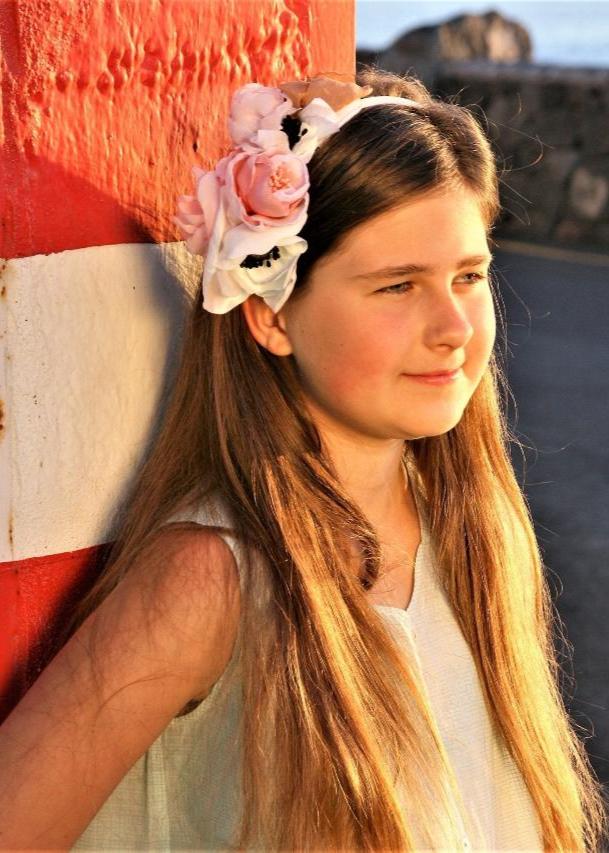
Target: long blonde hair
335, 721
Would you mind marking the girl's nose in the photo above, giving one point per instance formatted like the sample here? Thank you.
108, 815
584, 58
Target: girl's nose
448, 322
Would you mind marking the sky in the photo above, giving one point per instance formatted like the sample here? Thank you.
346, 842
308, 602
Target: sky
565, 31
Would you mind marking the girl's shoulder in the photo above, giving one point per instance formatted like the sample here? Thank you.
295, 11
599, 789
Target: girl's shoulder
160, 638
213, 513
212, 510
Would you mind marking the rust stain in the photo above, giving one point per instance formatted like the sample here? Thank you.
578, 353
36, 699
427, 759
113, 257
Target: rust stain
3, 266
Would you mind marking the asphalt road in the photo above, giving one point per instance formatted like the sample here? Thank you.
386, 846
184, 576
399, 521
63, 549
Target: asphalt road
557, 362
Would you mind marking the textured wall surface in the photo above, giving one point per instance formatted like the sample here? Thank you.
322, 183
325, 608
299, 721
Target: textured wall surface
105, 103
105, 108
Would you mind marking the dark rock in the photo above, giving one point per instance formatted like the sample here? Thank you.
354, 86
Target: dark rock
491, 36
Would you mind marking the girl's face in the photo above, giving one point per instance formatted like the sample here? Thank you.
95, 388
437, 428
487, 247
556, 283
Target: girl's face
357, 333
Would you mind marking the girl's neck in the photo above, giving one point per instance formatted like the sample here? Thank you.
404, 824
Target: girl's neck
387, 503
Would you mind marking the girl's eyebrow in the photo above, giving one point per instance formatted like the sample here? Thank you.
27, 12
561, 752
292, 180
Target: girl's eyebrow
408, 269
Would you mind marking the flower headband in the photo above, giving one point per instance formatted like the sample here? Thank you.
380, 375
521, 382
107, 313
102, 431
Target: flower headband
246, 213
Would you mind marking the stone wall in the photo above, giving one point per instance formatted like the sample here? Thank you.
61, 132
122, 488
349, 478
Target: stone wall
549, 126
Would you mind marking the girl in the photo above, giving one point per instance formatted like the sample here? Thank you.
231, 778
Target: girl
324, 624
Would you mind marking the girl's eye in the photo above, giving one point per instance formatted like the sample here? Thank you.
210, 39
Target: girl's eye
393, 286
391, 289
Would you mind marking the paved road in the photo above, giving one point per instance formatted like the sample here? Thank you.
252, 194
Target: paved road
557, 362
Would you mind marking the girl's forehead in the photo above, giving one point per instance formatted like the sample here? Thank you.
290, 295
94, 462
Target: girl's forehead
439, 230
450, 206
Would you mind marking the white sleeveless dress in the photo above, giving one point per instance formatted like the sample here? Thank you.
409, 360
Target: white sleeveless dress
183, 793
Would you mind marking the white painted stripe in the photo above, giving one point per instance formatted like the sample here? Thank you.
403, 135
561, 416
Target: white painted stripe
87, 336
6, 404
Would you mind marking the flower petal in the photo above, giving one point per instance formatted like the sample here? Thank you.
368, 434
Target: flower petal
222, 292
188, 204
215, 242
241, 241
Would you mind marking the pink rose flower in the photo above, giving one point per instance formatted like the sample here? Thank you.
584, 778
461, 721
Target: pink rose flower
255, 107
196, 214
265, 188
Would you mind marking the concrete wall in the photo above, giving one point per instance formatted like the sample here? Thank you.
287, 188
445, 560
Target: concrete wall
550, 129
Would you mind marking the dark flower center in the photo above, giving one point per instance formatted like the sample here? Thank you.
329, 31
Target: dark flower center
259, 260
291, 126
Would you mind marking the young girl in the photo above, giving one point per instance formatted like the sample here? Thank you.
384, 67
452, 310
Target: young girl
325, 623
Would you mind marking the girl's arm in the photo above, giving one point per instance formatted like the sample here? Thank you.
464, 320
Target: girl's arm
163, 636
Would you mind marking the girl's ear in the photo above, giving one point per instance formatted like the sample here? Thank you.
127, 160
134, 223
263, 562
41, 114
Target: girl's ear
267, 327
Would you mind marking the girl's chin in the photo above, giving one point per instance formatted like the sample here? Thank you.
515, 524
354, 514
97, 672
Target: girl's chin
429, 427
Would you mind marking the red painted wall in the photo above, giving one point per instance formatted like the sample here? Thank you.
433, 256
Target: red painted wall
106, 104
105, 107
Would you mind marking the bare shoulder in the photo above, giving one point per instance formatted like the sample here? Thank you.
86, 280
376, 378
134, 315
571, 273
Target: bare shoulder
163, 635
192, 574
181, 597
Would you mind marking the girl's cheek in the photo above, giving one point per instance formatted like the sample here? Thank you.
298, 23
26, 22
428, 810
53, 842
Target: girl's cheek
343, 370
481, 346
482, 315
358, 375
347, 352
488, 322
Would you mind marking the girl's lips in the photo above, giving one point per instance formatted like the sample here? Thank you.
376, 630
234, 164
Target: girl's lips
435, 378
